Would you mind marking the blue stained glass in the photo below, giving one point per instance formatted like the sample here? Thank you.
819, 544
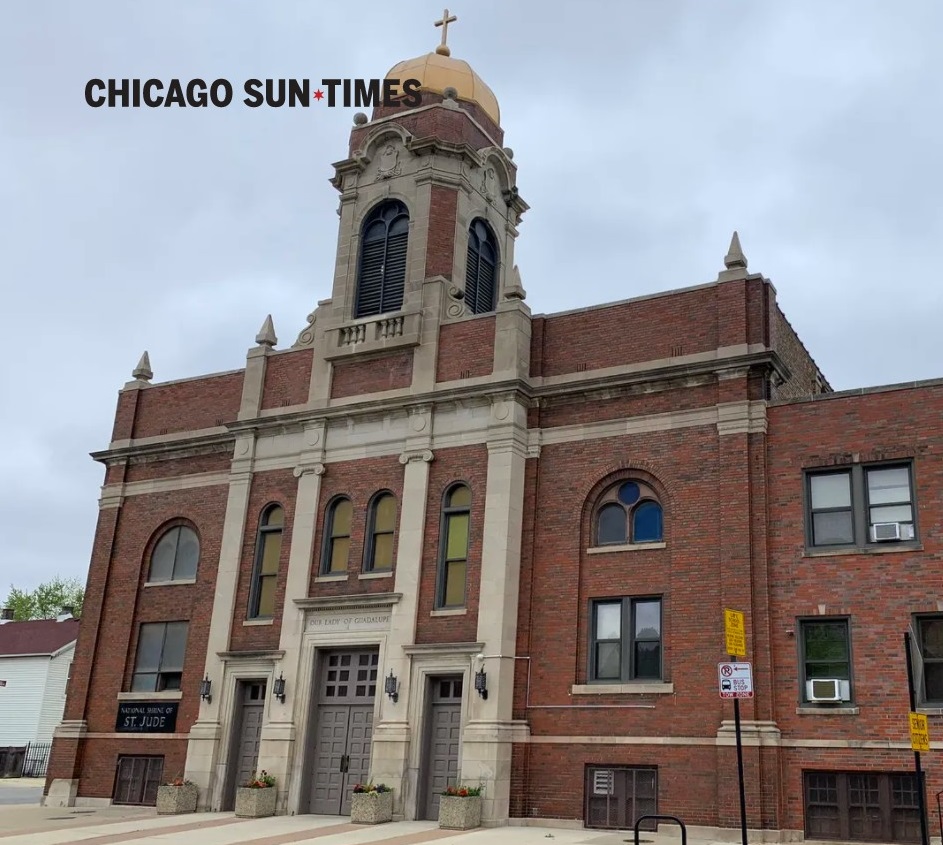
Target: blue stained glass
646, 523
629, 493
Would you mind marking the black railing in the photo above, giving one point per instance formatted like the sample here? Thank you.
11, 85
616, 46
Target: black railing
36, 760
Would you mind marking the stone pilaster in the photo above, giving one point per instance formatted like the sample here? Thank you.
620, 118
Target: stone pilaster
487, 739
204, 746
253, 382
278, 754
392, 734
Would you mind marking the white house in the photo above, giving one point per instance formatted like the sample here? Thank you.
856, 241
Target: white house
34, 669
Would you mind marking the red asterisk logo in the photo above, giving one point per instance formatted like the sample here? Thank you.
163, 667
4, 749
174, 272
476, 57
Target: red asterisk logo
318, 94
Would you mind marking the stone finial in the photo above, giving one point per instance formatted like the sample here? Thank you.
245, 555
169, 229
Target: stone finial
266, 335
360, 119
143, 371
450, 93
735, 262
515, 290
735, 259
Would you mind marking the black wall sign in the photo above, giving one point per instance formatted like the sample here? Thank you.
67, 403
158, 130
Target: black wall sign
148, 717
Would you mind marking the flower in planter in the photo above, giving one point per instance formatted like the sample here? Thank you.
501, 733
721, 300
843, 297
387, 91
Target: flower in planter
263, 781
370, 788
179, 781
463, 791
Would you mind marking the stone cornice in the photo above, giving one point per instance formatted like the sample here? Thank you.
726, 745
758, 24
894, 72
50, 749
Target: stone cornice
204, 444
363, 600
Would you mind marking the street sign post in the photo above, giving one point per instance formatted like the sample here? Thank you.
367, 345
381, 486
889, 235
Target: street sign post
735, 680
919, 741
735, 634
919, 732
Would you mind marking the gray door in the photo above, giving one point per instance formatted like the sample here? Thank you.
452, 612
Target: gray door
444, 733
250, 704
344, 728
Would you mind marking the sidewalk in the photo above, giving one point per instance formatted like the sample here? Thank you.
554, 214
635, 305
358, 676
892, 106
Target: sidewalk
138, 826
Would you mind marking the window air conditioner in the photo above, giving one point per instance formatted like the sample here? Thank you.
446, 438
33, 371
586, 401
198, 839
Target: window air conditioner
828, 690
883, 532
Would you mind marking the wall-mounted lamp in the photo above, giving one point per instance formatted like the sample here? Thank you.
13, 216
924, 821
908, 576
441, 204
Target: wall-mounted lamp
391, 687
481, 683
279, 690
206, 687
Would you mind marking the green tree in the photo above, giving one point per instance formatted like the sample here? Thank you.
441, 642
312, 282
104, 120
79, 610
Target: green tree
47, 600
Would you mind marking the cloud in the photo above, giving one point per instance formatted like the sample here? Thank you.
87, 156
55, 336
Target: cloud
644, 133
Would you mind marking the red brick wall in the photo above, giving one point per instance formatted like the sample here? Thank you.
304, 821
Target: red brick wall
440, 246
188, 405
359, 481
375, 374
217, 462
268, 488
466, 349
128, 603
786, 342
445, 124
626, 403
468, 464
643, 330
101, 761
287, 379
124, 414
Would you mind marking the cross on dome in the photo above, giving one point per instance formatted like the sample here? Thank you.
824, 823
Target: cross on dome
443, 48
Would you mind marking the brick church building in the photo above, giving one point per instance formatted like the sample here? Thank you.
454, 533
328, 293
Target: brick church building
441, 539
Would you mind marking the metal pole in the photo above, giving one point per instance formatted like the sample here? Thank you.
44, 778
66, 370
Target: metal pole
921, 789
743, 794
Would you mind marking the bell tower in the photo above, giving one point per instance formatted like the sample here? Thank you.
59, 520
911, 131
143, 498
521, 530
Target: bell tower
429, 213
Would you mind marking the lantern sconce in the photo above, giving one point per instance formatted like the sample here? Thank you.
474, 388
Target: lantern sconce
391, 687
481, 683
206, 688
279, 690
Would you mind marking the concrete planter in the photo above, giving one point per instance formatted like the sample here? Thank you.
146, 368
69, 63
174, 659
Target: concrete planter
255, 803
371, 807
459, 813
172, 800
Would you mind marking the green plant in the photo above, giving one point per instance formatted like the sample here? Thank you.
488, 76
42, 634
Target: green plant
179, 781
371, 788
463, 791
263, 781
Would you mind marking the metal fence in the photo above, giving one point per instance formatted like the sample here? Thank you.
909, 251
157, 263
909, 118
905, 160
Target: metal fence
25, 761
36, 759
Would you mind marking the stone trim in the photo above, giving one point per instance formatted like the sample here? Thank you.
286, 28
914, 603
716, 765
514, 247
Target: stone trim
623, 689
167, 695
901, 548
253, 656
364, 576
181, 582
630, 547
330, 579
748, 740
136, 737
253, 622
444, 648
828, 711
451, 611
362, 601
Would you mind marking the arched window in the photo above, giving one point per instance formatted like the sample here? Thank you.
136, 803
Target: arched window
629, 512
382, 270
337, 537
453, 552
268, 550
381, 526
481, 270
175, 556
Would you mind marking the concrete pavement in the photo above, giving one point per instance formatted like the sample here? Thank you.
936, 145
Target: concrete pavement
21, 790
137, 826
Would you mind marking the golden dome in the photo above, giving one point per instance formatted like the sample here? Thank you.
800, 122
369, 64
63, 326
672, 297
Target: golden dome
438, 71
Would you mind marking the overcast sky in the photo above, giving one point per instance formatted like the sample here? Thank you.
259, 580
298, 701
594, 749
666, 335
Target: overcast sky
645, 132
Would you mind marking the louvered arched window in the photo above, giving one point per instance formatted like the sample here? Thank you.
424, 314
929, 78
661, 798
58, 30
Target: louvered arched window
382, 268
481, 269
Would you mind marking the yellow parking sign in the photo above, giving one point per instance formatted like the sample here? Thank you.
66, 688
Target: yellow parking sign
736, 634
919, 732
